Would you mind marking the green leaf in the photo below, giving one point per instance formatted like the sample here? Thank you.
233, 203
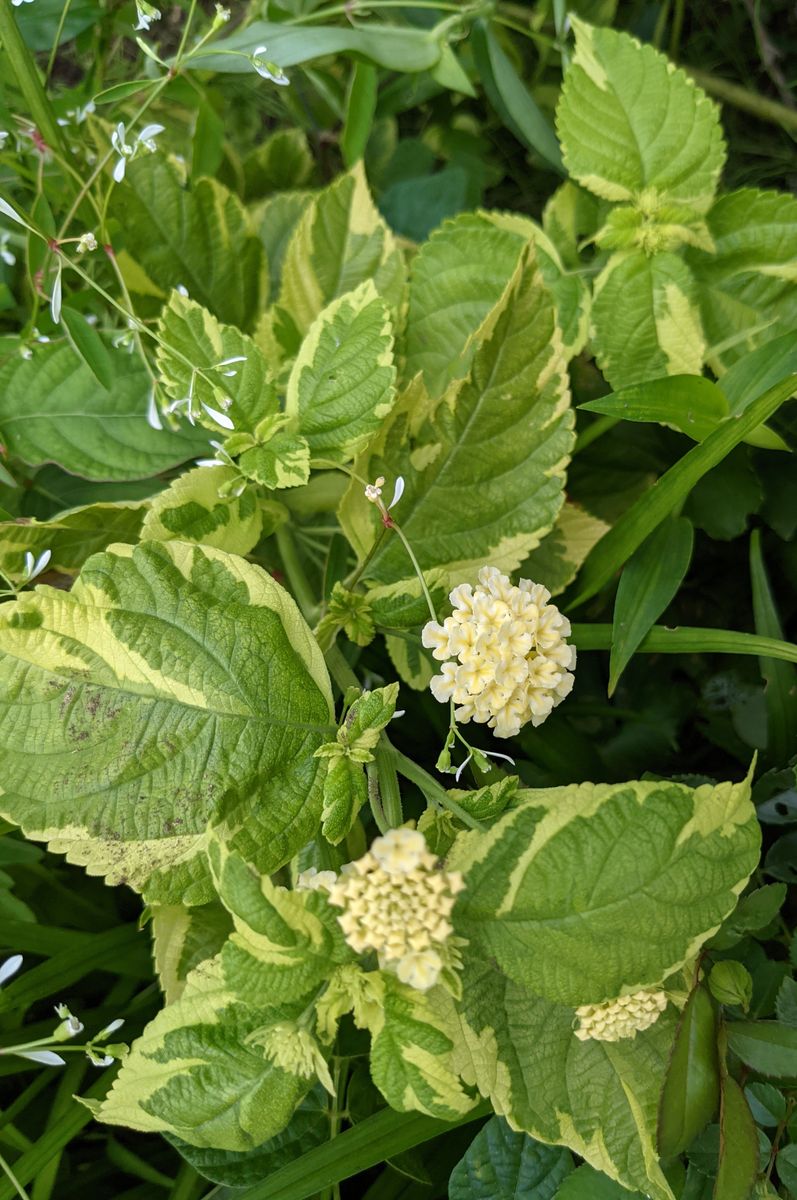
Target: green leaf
345, 793
339, 241
72, 537
671, 489
586, 1183
557, 559
457, 278
648, 584
219, 1089
690, 403
279, 164
753, 912
662, 640
786, 1166
342, 384
500, 1164
276, 219
730, 983
645, 317
748, 286
191, 510
52, 409
307, 1129
510, 97
780, 678
786, 1002
360, 110
577, 893
767, 1046
388, 46
183, 938
691, 1092
174, 686
630, 123
738, 1160
412, 1054
283, 462
214, 364
767, 1104
374, 1140
200, 238
89, 346
504, 435
598, 1098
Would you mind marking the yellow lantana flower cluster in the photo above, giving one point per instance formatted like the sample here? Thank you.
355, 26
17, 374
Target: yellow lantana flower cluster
622, 1018
512, 663
397, 902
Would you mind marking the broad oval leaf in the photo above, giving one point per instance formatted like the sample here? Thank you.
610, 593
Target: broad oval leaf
629, 122
645, 318
174, 686
200, 238
598, 1098
588, 891
341, 385
691, 1092
501, 1164
71, 537
53, 409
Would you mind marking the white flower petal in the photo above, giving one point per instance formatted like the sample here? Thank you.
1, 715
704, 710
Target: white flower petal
46, 1057
10, 967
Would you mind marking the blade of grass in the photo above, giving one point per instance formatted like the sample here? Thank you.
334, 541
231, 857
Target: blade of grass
68, 1083
639, 521
687, 640
780, 677
373, 1141
53, 1141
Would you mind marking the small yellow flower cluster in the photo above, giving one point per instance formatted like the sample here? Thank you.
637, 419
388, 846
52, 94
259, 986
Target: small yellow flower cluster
513, 664
397, 902
294, 1050
622, 1018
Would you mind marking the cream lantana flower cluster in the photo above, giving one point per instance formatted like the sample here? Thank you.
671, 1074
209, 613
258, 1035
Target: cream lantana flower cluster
622, 1018
511, 661
397, 902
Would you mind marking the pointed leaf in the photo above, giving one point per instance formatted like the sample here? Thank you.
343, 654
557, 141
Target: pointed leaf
72, 536
174, 686
88, 344
577, 893
767, 1046
629, 122
341, 386
500, 1164
691, 1092
648, 584
780, 678
191, 510
738, 1160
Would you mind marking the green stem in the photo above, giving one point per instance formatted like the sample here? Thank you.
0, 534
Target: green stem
744, 99
20, 61
677, 26
432, 789
13, 1179
294, 569
418, 571
375, 797
389, 791
57, 39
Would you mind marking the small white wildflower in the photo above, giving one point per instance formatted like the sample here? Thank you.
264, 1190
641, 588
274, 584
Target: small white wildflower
70, 1025
56, 294
86, 241
98, 1060
222, 16
373, 491
153, 413
128, 150
220, 418
268, 69
146, 13
313, 880
8, 211
10, 967
397, 902
47, 1058
108, 1029
624, 1017
8, 256
35, 566
182, 289
511, 662
147, 137
17, 3
4, 136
